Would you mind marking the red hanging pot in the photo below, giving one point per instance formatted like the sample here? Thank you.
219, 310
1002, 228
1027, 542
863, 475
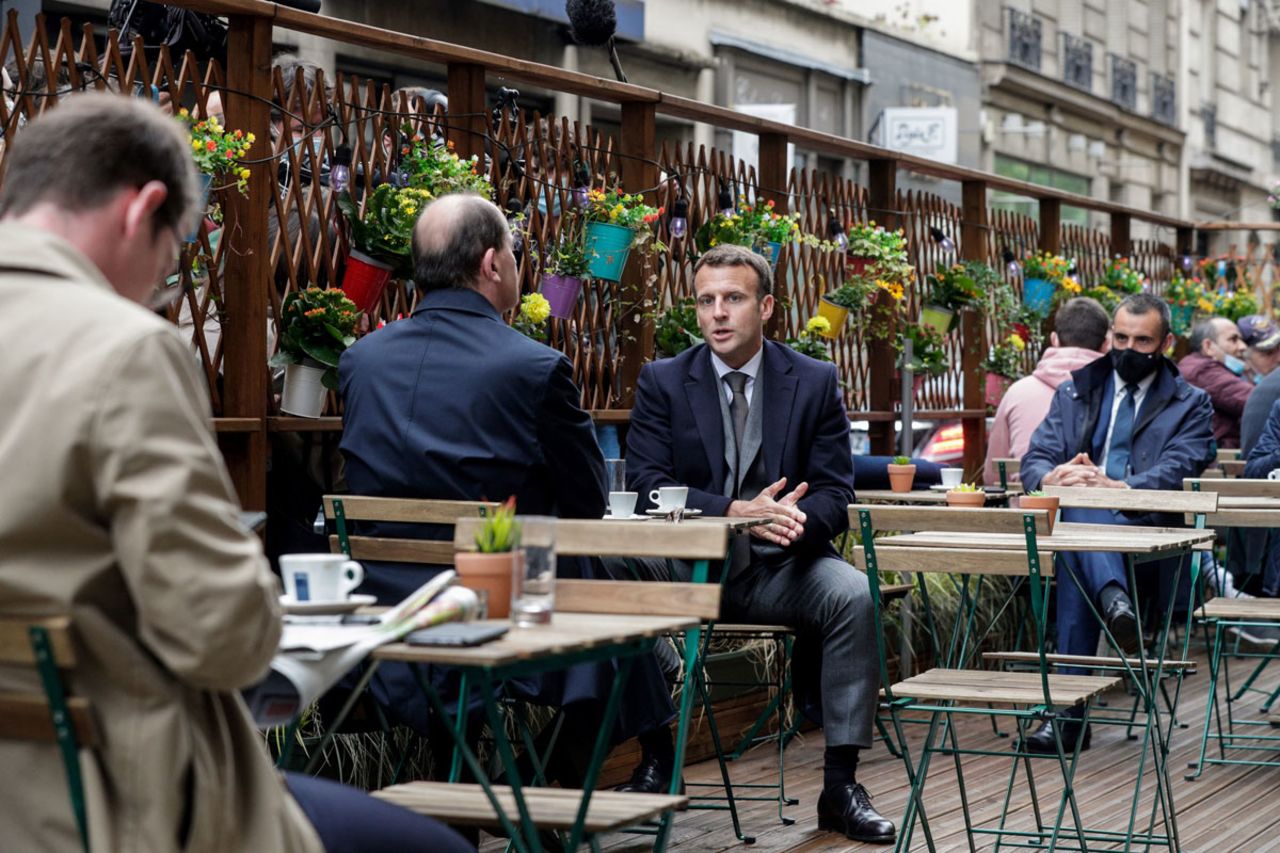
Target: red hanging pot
364, 280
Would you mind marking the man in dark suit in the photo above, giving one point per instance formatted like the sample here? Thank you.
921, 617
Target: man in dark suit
755, 429
454, 404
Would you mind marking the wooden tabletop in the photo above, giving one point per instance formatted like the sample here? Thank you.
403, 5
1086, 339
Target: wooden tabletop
1125, 540
567, 633
1242, 511
920, 496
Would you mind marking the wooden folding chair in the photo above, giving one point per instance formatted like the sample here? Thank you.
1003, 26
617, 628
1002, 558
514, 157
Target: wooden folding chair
44, 645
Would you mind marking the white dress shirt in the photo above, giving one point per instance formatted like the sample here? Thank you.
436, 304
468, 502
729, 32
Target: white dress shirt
1116, 399
751, 368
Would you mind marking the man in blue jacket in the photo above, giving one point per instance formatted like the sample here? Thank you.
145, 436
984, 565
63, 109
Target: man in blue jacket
1263, 458
452, 403
754, 429
1125, 421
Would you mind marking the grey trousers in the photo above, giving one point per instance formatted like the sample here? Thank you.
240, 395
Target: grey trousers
828, 603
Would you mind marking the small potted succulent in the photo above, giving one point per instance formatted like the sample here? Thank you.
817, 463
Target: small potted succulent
531, 316
381, 239
1039, 500
316, 326
966, 494
902, 474
615, 224
567, 265
489, 570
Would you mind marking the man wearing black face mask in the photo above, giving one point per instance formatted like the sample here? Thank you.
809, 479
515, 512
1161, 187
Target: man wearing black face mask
1125, 421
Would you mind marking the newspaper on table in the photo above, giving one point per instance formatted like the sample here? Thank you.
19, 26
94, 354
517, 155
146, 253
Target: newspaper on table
313, 655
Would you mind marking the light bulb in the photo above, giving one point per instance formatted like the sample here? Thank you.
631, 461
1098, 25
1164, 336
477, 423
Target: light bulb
1186, 263
842, 242
725, 202
943, 241
678, 226
340, 175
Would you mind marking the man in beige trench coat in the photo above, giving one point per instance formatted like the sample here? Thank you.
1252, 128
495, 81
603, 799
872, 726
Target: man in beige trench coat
115, 508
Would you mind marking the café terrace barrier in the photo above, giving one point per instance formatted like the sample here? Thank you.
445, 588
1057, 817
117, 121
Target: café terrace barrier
235, 285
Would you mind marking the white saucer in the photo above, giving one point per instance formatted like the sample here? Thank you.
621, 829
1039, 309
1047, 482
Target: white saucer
326, 608
940, 488
663, 513
626, 518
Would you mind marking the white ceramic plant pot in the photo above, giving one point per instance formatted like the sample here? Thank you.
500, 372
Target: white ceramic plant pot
304, 392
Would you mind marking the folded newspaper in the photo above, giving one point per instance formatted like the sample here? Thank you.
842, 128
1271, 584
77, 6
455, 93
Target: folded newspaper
314, 656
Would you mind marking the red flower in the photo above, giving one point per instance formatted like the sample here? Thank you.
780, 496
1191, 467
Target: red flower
211, 145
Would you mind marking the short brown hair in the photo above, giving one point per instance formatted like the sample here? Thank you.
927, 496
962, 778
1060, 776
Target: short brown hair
91, 146
1082, 322
739, 256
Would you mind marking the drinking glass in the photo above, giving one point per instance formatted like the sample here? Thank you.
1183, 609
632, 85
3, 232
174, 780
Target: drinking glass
533, 588
615, 471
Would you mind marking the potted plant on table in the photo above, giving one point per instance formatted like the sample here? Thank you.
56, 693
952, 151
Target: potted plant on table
902, 474
316, 326
1003, 366
218, 154
490, 569
966, 494
1039, 500
381, 239
616, 223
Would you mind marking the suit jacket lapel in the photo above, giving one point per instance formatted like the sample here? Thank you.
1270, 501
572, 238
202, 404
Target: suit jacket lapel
701, 389
780, 390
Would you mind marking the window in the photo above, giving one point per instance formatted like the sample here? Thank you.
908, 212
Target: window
1124, 82
1045, 176
1077, 62
1025, 33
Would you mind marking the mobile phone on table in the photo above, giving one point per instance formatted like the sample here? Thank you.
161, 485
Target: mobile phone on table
456, 634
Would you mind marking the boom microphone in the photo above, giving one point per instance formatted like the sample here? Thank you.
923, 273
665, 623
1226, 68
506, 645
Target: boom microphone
592, 23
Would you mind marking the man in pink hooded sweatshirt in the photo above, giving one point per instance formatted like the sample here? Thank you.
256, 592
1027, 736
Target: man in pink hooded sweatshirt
1080, 333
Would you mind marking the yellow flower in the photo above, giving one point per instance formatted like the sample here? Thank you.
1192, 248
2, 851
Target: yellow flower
818, 325
244, 174
535, 308
1204, 304
890, 287
250, 137
1016, 341
1070, 285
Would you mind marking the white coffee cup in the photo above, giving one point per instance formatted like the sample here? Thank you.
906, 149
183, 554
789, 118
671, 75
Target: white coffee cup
320, 577
1273, 474
952, 476
622, 504
669, 498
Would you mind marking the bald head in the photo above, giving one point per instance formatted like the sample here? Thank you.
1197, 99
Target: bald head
451, 239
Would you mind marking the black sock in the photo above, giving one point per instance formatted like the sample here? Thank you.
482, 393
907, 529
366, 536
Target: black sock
839, 766
1110, 593
660, 745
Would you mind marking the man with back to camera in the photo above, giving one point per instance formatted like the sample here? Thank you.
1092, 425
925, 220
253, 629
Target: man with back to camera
121, 514
1147, 429
1079, 336
1214, 365
755, 429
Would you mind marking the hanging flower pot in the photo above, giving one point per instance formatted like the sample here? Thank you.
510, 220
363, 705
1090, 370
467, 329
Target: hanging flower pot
901, 477
304, 390
561, 292
607, 248
770, 251
917, 382
1037, 295
206, 183
858, 266
364, 279
995, 387
937, 318
1181, 317
835, 314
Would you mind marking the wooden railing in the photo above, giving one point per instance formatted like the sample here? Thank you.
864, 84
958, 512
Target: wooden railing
245, 276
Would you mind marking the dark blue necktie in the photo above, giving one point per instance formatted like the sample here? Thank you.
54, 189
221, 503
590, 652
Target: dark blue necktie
1122, 436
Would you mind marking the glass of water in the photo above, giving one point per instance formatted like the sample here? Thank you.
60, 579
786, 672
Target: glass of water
615, 471
533, 588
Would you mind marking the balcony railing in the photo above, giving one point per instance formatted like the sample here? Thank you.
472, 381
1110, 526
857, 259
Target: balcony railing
1124, 82
1077, 62
1025, 37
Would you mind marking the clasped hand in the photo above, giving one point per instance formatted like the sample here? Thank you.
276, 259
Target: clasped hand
786, 523
1080, 471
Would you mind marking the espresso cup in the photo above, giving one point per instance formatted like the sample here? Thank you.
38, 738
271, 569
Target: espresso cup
1273, 474
952, 476
622, 504
320, 577
669, 498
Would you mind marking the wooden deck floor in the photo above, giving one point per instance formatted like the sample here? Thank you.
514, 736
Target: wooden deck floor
1227, 809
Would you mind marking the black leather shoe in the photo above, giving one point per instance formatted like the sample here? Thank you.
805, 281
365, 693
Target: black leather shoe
1123, 623
847, 809
1042, 739
649, 777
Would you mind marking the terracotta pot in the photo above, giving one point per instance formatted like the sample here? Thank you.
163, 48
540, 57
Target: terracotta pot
955, 498
994, 388
901, 477
489, 575
1045, 502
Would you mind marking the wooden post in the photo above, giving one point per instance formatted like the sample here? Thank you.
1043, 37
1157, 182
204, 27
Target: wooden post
882, 198
1050, 225
773, 173
974, 247
467, 102
637, 147
247, 273
1121, 245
